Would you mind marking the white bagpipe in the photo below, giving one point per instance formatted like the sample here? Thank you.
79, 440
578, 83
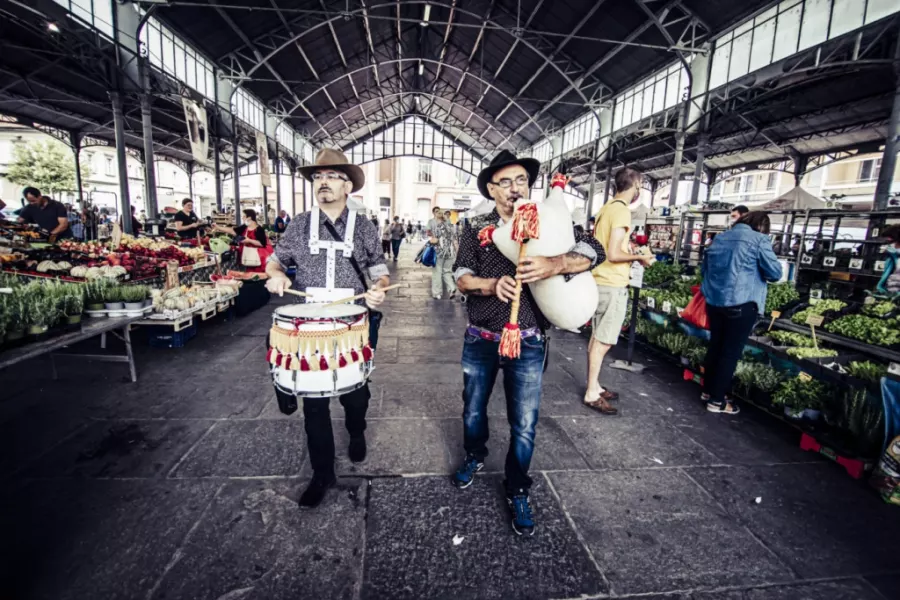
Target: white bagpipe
566, 304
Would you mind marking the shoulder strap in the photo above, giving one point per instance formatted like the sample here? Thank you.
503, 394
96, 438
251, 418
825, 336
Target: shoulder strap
338, 238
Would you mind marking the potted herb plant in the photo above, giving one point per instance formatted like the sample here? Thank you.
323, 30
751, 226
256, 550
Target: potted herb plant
112, 298
40, 312
133, 296
72, 306
801, 399
15, 317
94, 292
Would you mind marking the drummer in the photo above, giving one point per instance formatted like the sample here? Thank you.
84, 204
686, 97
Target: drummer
489, 281
325, 272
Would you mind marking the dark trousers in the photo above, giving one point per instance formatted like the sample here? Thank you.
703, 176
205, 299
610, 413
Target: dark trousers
319, 435
386, 247
729, 328
522, 383
395, 245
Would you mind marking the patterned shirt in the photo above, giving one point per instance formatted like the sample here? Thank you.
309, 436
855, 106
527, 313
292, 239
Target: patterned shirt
489, 312
293, 249
445, 233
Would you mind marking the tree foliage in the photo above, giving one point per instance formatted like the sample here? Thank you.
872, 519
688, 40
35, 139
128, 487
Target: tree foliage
46, 165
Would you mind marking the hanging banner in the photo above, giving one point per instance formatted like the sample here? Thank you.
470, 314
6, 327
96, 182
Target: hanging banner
262, 152
195, 116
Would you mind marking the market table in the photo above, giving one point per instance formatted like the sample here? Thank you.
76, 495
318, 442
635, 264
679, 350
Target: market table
89, 329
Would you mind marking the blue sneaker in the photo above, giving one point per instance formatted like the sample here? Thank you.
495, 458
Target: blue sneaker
522, 517
465, 475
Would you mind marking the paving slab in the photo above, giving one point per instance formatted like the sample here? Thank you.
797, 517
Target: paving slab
395, 447
888, 585
621, 443
254, 543
826, 590
78, 539
819, 521
121, 449
34, 431
252, 448
553, 449
655, 531
411, 553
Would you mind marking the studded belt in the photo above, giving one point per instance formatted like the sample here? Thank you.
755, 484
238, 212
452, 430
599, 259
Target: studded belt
490, 336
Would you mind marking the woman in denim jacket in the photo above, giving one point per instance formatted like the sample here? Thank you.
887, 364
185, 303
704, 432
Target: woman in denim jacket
735, 270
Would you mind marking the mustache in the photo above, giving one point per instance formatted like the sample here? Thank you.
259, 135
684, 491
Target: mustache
324, 188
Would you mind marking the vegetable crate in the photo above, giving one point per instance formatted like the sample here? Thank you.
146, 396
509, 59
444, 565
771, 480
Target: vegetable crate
164, 336
855, 467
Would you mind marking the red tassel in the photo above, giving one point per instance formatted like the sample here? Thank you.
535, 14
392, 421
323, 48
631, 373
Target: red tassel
559, 180
287, 363
304, 364
511, 341
486, 236
278, 359
526, 224
269, 355
342, 362
354, 355
367, 353
323, 363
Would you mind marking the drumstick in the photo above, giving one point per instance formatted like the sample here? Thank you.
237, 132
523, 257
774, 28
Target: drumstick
295, 293
363, 295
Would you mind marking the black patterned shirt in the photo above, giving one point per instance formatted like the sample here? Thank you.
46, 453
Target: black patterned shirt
293, 249
489, 312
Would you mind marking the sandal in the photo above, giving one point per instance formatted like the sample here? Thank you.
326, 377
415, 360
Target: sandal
602, 406
723, 407
609, 395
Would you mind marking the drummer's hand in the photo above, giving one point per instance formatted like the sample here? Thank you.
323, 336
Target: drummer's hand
505, 288
536, 268
374, 297
277, 284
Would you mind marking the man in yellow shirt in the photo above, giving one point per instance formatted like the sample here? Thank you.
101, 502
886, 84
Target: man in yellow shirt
613, 224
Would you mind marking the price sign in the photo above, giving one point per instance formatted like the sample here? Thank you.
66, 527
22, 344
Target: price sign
171, 274
815, 320
651, 302
804, 377
815, 296
879, 265
875, 233
806, 259
894, 368
856, 264
829, 261
636, 279
775, 315
667, 306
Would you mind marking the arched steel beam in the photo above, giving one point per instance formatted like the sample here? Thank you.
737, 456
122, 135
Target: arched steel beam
435, 98
478, 18
440, 160
414, 60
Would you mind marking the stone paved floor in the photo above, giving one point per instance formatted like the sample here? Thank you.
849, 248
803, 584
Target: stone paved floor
184, 486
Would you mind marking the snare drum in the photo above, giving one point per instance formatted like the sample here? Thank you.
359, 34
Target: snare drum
320, 351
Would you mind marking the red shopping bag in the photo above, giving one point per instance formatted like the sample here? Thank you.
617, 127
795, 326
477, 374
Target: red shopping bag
695, 311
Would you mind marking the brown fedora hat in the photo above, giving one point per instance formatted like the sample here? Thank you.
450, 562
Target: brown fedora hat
329, 158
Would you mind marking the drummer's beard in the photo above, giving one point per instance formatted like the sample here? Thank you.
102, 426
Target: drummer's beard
509, 203
326, 195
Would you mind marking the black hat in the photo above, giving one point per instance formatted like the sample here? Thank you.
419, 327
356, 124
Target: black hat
504, 159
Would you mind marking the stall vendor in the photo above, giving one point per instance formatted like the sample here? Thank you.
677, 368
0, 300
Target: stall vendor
187, 224
47, 213
254, 236
890, 279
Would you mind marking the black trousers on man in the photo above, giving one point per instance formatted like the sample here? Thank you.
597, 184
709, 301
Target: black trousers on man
319, 434
729, 328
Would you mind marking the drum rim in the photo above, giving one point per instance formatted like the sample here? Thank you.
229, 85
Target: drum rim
357, 311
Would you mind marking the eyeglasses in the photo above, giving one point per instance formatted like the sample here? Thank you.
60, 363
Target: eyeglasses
329, 175
505, 183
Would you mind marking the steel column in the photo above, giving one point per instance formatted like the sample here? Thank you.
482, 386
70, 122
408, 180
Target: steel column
217, 173
76, 149
593, 185
149, 163
608, 181
698, 170
236, 178
190, 174
265, 199
121, 159
891, 145
710, 183
304, 195
679, 155
293, 193
277, 186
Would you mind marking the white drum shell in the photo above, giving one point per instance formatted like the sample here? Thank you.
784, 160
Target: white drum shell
319, 383
566, 304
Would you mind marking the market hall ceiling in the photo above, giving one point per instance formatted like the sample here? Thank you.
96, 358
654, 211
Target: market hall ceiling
494, 73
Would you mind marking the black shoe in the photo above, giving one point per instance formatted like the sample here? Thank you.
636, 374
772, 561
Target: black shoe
315, 491
522, 515
357, 449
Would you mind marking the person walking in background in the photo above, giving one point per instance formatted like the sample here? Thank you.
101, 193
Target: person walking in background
75, 223
409, 232
613, 224
397, 233
386, 238
446, 243
735, 270
737, 212
420, 231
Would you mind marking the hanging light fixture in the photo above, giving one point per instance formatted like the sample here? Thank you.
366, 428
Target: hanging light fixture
426, 16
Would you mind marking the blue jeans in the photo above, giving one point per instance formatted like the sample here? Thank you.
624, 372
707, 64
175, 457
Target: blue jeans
395, 246
522, 384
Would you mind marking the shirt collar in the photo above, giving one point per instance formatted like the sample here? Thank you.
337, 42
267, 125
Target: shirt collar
342, 218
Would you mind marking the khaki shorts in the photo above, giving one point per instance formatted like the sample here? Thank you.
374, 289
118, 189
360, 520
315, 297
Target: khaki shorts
607, 321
